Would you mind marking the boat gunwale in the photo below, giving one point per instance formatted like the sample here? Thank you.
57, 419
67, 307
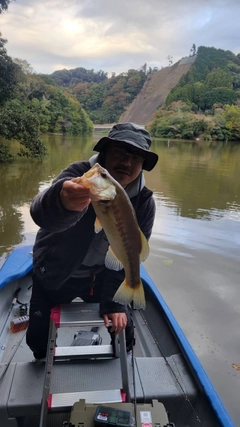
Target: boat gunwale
193, 362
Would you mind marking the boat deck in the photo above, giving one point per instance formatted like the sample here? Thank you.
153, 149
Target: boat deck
157, 371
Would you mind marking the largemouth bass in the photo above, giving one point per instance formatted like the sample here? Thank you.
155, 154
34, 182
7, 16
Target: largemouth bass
128, 245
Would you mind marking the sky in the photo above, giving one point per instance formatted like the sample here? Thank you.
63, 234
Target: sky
116, 35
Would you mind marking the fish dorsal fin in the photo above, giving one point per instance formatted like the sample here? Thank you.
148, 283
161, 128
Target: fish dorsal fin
145, 247
111, 261
97, 225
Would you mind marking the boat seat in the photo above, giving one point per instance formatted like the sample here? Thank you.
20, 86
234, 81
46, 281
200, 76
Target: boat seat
164, 379
23, 389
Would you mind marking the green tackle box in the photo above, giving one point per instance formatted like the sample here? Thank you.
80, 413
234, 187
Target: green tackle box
148, 414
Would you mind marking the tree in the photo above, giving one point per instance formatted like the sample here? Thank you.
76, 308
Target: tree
219, 78
24, 65
231, 114
220, 96
22, 125
16, 121
9, 73
169, 57
4, 5
193, 50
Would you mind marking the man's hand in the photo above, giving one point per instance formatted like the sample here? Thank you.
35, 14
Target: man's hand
74, 197
119, 321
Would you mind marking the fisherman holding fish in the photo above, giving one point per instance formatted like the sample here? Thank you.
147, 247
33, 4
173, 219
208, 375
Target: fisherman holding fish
95, 222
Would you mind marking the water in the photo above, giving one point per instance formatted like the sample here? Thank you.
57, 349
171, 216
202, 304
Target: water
195, 244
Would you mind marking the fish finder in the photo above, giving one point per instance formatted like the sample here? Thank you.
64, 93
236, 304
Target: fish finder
106, 416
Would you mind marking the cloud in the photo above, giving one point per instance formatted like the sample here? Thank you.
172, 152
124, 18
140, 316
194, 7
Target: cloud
115, 35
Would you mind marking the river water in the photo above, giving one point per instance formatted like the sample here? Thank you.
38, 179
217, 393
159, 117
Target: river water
195, 244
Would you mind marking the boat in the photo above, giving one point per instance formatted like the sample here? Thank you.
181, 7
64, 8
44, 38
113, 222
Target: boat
160, 384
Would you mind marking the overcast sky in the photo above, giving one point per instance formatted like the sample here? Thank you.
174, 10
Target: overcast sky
116, 35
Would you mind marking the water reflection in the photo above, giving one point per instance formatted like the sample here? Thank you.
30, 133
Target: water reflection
199, 181
195, 244
188, 234
19, 183
203, 181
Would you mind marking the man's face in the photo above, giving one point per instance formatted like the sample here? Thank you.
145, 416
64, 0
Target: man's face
124, 162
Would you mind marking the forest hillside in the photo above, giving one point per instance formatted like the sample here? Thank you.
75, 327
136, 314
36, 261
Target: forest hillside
205, 104
155, 91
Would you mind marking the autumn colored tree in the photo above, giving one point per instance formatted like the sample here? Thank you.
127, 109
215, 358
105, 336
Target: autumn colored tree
105, 101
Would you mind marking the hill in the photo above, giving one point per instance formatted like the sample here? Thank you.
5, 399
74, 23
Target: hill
104, 99
205, 104
204, 80
155, 91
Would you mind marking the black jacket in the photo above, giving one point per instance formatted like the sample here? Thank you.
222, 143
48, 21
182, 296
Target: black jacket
65, 236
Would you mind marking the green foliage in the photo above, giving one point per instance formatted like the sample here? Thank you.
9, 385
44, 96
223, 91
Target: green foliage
24, 65
106, 101
213, 78
58, 111
219, 95
219, 78
231, 115
193, 50
15, 121
20, 124
208, 59
178, 122
38, 106
70, 78
9, 73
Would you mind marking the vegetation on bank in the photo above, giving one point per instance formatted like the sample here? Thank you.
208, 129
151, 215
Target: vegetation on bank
206, 102
177, 121
31, 104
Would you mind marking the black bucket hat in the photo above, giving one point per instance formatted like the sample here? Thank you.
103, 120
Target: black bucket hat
132, 134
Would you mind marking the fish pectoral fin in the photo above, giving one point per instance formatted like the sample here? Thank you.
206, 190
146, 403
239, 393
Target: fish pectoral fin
97, 225
111, 261
125, 294
145, 247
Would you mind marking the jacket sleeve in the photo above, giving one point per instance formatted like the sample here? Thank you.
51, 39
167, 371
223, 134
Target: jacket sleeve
46, 208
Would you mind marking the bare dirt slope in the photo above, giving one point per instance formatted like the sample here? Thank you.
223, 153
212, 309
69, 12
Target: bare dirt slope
155, 91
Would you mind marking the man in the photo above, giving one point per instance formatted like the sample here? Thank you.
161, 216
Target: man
68, 257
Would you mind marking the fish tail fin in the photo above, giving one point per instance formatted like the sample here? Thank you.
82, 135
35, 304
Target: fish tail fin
125, 295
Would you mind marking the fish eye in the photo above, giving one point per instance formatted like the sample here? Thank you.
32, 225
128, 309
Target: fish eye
103, 175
